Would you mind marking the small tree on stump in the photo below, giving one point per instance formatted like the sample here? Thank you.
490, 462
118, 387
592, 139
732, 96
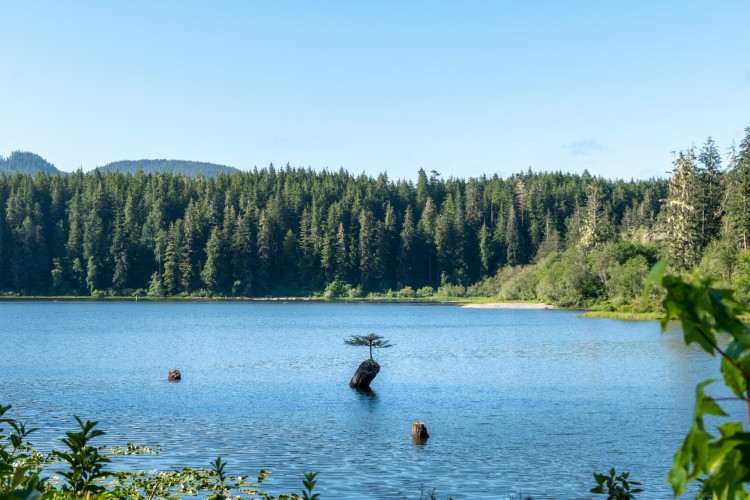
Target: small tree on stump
371, 340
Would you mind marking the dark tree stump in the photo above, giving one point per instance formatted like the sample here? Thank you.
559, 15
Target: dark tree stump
365, 374
419, 433
174, 376
419, 430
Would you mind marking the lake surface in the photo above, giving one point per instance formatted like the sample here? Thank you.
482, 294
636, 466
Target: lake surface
515, 401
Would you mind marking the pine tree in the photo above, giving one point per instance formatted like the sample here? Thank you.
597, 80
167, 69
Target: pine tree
460, 270
521, 240
171, 276
594, 224
498, 234
486, 251
92, 274
737, 201
187, 252
366, 253
77, 277
682, 218
242, 256
328, 248
422, 191
212, 270
387, 244
264, 255
445, 239
155, 288
512, 237
709, 177
58, 277
551, 242
119, 251
121, 268
290, 259
426, 230
406, 257
342, 265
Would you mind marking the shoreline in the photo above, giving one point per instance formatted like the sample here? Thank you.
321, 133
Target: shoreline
462, 302
510, 305
465, 302
88, 298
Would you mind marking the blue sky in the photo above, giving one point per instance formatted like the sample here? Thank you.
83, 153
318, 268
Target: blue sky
464, 88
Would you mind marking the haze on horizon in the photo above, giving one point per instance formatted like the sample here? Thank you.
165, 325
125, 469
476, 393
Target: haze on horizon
461, 88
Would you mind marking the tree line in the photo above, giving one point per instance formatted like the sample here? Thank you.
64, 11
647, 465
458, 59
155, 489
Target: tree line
293, 231
701, 221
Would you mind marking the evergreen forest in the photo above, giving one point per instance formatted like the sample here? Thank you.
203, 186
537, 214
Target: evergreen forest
26, 163
567, 239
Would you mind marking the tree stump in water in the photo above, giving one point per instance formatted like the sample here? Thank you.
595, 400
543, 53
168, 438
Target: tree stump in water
365, 374
174, 376
419, 433
419, 430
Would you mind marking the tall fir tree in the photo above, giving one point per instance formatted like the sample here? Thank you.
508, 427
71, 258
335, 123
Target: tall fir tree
737, 200
709, 177
682, 217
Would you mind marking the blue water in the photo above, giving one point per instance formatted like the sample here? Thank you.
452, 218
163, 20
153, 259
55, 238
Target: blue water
515, 401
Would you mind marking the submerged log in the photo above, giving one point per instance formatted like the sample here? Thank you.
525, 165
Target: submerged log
365, 374
174, 376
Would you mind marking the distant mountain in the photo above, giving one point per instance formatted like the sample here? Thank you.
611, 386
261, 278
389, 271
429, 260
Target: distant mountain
180, 167
24, 162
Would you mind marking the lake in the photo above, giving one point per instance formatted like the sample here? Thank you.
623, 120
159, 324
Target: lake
515, 400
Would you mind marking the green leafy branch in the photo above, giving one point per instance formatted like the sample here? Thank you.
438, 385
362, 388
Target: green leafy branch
86, 464
615, 486
86, 477
721, 463
19, 465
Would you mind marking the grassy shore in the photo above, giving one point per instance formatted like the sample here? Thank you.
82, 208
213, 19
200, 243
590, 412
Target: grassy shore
631, 316
488, 302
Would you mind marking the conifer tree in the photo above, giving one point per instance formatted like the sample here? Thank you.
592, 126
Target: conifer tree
709, 176
387, 245
171, 277
682, 218
426, 230
445, 238
407, 242
264, 255
366, 249
342, 265
594, 224
242, 255
737, 201
512, 238
211, 273
486, 251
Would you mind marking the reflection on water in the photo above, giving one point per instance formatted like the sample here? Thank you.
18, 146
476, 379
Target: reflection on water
530, 401
366, 394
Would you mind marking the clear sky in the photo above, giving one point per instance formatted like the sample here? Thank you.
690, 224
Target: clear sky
465, 88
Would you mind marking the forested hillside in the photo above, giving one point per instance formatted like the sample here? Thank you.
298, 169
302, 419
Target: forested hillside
23, 162
26, 163
569, 239
177, 167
